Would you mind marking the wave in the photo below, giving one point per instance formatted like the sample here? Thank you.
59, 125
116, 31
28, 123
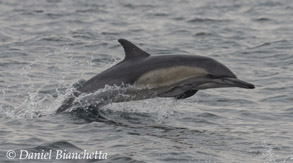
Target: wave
207, 20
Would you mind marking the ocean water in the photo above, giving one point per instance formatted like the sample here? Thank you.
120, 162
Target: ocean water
46, 47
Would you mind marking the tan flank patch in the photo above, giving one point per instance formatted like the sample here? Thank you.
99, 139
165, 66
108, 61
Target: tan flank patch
169, 76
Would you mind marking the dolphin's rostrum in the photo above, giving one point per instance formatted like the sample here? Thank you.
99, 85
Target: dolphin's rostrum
142, 76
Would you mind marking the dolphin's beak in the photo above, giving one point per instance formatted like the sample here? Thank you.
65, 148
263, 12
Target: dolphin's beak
234, 82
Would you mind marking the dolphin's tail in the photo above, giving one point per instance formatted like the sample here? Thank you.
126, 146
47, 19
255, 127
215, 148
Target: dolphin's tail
67, 103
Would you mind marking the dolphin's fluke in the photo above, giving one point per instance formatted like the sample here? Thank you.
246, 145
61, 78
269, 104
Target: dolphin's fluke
66, 105
132, 51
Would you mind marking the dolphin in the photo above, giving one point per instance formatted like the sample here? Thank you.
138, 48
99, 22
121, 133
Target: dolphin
141, 76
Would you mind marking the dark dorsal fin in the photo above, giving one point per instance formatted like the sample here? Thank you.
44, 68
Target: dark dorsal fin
131, 50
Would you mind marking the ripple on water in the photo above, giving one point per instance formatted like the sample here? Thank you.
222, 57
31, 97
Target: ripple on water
207, 21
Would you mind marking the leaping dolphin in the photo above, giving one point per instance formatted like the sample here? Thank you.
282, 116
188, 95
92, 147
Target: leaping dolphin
140, 76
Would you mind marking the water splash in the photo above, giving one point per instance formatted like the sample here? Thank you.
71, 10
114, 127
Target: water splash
270, 154
27, 97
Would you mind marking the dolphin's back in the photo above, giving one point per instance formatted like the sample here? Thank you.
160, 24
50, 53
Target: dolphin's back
128, 72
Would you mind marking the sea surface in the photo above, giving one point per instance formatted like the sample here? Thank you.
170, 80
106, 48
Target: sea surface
47, 47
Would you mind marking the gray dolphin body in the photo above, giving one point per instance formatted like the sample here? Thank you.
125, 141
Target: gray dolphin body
141, 76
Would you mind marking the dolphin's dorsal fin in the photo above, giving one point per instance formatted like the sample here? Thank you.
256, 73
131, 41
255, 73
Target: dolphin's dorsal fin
132, 51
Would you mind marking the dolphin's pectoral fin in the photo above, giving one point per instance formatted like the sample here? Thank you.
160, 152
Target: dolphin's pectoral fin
186, 94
